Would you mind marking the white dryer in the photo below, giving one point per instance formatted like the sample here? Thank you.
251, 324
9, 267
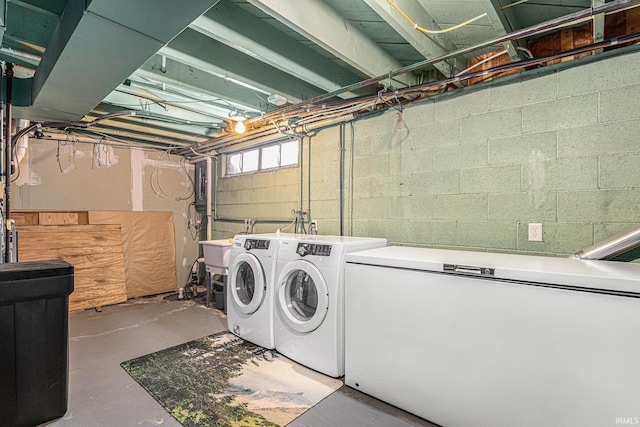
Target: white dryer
309, 300
250, 294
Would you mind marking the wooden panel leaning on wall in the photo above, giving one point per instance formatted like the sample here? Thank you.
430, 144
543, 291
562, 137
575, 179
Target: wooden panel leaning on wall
95, 251
148, 242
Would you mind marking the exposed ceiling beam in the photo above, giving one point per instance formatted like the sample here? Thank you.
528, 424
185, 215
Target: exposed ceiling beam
336, 35
98, 44
195, 122
200, 51
150, 126
598, 22
429, 46
209, 85
29, 22
507, 14
501, 24
167, 95
243, 31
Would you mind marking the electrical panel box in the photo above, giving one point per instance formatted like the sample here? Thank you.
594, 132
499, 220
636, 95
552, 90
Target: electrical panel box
200, 181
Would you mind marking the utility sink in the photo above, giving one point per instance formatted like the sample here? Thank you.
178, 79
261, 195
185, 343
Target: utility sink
216, 255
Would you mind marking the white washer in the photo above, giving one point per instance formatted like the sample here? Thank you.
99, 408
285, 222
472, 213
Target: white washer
250, 293
309, 324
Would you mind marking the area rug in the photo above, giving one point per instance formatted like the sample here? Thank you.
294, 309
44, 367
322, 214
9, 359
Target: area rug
222, 380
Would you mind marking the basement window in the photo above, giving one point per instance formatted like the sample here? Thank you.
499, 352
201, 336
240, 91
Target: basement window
266, 157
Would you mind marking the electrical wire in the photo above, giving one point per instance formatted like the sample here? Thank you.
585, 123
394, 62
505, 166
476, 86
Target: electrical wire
399, 105
502, 52
157, 188
194, 226
426, 31
515, 3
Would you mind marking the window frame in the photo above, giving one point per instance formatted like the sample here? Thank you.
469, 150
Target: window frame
260, 149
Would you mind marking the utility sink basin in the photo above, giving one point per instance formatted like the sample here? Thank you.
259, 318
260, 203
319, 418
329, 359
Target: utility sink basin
216, 255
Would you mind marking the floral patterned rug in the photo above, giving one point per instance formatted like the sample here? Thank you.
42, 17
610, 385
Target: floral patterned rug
222, 380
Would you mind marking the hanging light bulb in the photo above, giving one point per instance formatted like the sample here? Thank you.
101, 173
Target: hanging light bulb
239, 119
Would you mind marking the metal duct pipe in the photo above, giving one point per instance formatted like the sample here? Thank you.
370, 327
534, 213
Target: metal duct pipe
325, 123
612, 247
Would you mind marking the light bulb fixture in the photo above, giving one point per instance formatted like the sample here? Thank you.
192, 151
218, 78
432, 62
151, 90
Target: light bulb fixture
239, 119
240, 127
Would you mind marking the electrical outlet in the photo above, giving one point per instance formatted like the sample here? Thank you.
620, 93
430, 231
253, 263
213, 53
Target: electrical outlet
535, 232
314, 225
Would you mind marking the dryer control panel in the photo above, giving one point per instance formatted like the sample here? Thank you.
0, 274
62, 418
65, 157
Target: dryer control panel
305, 249
256, 244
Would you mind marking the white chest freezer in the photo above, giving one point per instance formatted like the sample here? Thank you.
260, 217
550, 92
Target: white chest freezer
469, 339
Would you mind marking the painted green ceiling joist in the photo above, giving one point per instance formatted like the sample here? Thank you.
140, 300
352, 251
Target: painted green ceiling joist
195, 49
182, 75
3, 18
243, 31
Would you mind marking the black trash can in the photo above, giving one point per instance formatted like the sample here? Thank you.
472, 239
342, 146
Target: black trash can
218, 292
34, 331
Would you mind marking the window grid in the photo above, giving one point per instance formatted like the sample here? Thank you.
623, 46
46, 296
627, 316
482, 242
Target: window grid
265, 158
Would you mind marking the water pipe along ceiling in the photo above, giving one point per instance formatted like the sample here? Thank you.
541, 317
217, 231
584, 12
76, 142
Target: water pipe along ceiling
182, 73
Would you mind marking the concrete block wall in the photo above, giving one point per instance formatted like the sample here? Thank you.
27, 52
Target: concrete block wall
262, 197
471, 168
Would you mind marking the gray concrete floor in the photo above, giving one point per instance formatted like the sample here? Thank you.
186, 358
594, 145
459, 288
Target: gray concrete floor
101, 393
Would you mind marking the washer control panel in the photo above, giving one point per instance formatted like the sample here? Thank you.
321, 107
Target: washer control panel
305, 249
256, 244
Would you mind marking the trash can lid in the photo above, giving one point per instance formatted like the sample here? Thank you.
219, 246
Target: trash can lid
34, 270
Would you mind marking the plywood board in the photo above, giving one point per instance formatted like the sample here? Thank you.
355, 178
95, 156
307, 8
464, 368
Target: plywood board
25, 217
148, 240
95, 251
56, 218
49, 217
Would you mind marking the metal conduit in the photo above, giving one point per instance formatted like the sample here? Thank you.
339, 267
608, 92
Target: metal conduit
7, 165
267, 135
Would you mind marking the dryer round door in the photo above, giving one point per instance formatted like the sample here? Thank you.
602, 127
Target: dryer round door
247, 283
303, 296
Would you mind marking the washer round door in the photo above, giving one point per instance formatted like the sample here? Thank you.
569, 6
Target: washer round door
303, 296
247, 283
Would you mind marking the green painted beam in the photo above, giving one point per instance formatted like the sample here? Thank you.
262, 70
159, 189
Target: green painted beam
3, 18
193, 79
197, 50
162, 111
598, 22
429, 46
28, 27
233, 26
321, 24
502, 26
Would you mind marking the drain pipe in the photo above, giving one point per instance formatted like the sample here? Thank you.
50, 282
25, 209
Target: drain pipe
7, 167
2, 223
209, 196
23, 143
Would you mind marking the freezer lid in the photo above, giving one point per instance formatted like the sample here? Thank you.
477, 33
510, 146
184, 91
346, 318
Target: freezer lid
572, 272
